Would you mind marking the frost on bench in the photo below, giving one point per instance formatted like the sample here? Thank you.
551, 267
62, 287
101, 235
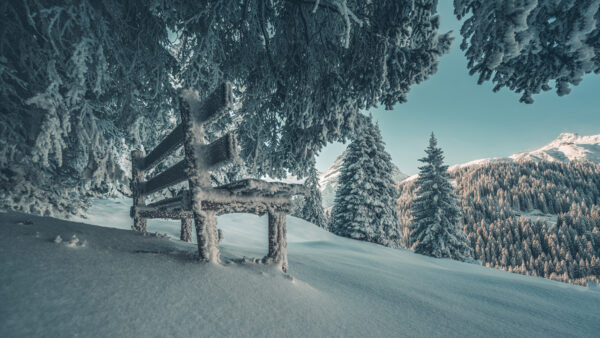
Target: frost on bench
202, 202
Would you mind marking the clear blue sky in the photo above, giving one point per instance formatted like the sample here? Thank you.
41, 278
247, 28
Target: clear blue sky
470, 120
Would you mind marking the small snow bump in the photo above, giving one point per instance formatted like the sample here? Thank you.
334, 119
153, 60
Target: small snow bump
75, 242
25, 222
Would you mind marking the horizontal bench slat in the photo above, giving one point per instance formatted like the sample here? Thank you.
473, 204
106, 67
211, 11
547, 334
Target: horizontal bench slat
255, 187
220, 207
169, 202
173, 141
173, 175
219, 152
210, 108
164, 213
215, 104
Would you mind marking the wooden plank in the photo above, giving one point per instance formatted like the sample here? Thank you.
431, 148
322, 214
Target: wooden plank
237, 204
173, 141
166, 213
173, 175
247, 206
215, 104
176, 201
218, 153
255, 187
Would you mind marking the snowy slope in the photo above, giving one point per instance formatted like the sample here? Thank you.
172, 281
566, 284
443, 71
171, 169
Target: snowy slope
566, 147
124, 284
329, 178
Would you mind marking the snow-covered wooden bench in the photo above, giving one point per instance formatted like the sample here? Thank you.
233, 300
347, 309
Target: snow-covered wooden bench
202, 202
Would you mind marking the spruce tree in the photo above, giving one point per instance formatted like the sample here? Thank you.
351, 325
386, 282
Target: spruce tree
436, 230
365, 200
312, 207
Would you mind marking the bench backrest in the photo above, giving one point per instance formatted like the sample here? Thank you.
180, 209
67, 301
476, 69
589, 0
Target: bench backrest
194, 115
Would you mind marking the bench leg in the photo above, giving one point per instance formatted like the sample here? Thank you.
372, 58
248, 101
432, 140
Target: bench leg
208, 238
139, 224
277, 240
186, 229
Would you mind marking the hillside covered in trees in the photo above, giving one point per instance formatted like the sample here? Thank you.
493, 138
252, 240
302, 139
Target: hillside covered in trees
532, 218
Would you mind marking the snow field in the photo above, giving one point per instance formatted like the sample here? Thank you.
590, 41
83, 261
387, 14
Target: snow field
126, 284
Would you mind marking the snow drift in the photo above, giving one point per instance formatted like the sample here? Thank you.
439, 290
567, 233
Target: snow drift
124, 284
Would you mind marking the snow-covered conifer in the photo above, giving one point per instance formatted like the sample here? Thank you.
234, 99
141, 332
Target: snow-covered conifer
312, 207
436, 230
365, 200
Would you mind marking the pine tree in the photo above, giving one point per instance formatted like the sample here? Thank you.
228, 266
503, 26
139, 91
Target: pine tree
365, 201
436, 231
312, 207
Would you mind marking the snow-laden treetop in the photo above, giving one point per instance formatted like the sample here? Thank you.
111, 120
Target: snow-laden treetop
84, 82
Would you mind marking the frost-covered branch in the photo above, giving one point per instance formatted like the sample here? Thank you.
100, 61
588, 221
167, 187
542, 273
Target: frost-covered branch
528, 45
83, 83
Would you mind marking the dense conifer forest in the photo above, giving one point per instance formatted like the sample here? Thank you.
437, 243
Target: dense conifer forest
532, 218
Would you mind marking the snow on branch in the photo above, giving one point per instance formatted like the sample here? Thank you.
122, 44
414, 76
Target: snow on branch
527, 45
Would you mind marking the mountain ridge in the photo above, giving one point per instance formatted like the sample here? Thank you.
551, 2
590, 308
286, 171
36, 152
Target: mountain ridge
565, 148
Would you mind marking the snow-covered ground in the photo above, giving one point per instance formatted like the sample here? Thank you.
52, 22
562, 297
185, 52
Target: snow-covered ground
536, 215
118, 283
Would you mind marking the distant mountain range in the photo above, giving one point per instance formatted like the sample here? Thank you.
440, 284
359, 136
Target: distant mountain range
329, 179
566, 147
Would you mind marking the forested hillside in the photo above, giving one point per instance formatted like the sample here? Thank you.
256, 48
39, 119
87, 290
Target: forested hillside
533, 218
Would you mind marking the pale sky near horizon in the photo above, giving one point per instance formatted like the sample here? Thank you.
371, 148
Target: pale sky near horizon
470, 120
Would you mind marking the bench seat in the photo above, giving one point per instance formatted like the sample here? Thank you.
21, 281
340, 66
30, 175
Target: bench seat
259, 188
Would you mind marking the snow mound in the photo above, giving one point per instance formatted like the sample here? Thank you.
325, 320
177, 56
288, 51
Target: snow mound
73, 243
537, 215
126, 284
